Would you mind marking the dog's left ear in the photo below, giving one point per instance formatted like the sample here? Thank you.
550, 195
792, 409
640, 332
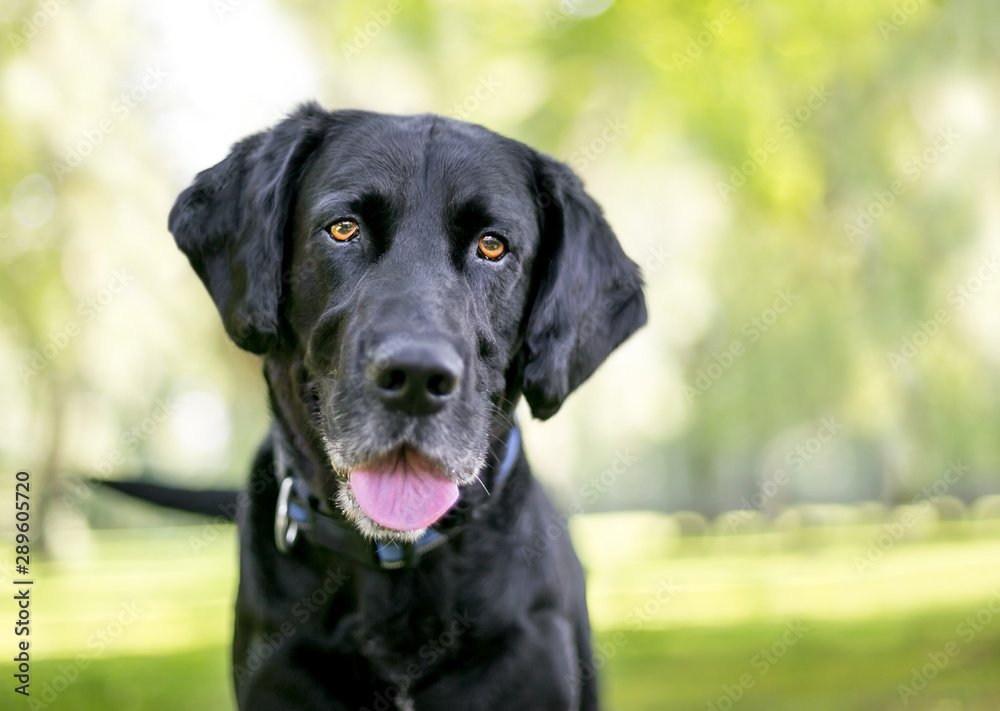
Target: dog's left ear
231, 224
588, 294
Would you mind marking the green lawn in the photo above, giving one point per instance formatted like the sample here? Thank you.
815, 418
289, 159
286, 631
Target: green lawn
680, 623
834, 667
193, 679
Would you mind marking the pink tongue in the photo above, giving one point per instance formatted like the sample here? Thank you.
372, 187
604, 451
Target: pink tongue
406, 496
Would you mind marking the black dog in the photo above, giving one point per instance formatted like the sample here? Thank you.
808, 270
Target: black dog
406, 279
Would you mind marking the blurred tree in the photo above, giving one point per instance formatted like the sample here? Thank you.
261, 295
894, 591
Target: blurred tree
809, 187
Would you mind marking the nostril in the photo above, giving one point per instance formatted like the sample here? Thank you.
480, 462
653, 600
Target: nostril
391, 379
441, 384
415, 376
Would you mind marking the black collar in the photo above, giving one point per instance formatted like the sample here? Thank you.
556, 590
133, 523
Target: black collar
295, 515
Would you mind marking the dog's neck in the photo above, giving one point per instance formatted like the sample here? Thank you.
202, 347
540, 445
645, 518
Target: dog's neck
287, 385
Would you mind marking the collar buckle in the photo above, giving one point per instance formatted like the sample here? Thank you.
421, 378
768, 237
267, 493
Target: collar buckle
286, 528
295, 517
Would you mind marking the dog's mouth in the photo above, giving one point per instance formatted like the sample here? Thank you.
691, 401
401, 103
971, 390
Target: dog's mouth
402, 491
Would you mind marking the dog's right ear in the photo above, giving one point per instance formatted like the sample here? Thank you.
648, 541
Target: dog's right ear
231, 224
589, 295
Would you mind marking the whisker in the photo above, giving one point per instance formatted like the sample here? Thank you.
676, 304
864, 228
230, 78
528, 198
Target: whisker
497, 412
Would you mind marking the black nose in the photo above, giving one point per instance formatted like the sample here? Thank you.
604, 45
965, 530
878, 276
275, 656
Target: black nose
415, 377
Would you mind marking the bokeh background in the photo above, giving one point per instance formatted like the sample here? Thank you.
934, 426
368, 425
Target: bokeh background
791, 477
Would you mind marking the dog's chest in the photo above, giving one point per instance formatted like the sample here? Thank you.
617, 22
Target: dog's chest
410, 634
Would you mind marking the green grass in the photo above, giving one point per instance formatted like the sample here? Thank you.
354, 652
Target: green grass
194, 679
727, 599
833, 667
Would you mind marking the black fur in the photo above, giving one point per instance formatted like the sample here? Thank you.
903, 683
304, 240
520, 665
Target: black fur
478, 624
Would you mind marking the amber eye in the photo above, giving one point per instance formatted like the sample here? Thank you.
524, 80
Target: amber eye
343, 230
491, 247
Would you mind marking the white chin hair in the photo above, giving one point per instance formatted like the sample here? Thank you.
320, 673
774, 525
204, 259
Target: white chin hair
368, 528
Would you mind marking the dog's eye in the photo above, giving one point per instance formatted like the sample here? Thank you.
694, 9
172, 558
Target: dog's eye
491, 247
343, 230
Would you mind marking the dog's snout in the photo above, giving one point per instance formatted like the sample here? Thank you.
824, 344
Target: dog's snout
416, 377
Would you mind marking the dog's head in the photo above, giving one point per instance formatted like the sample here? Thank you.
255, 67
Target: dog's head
406, 279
